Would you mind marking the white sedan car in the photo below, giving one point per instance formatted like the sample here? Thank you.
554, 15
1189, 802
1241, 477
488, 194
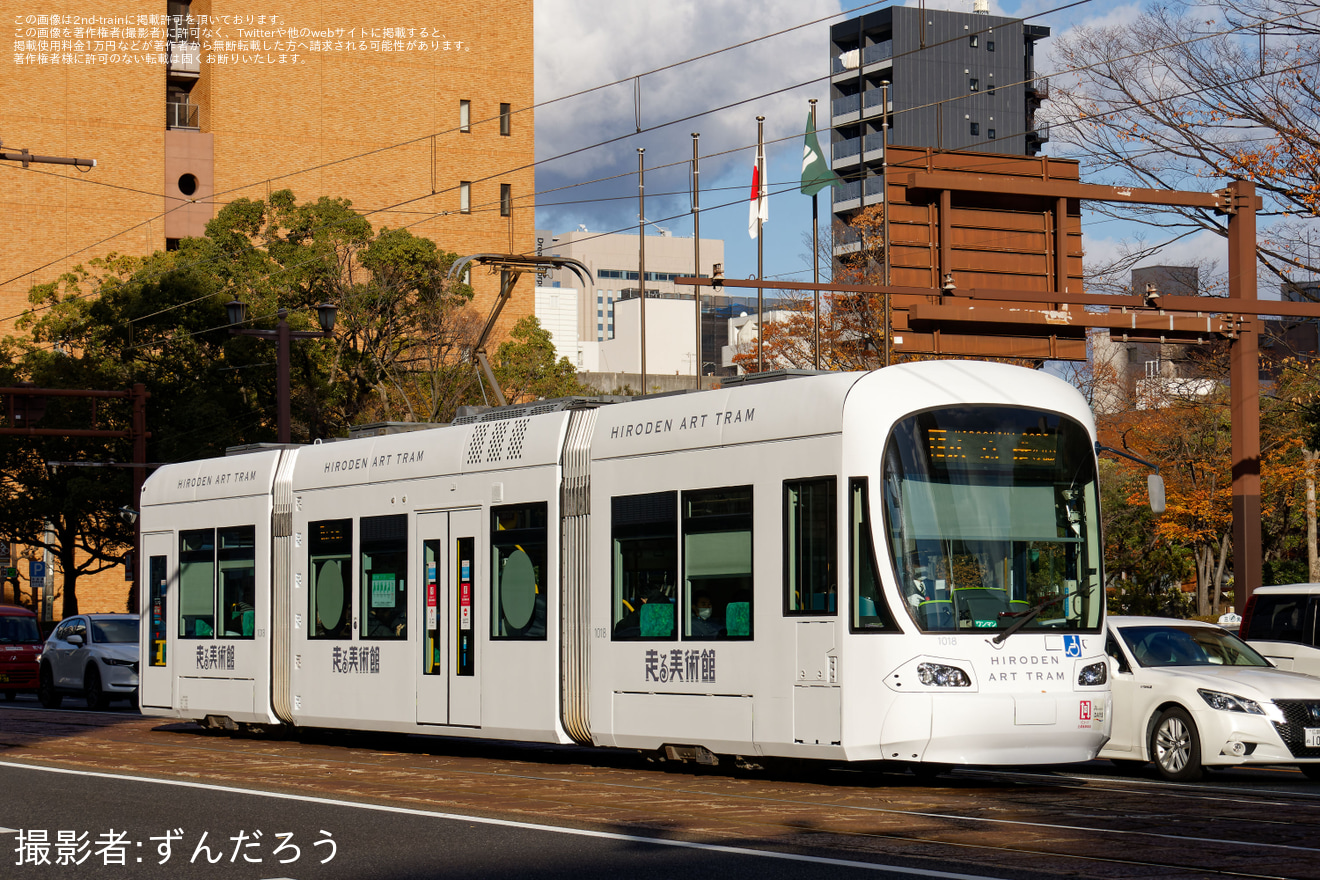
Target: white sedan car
1188, 695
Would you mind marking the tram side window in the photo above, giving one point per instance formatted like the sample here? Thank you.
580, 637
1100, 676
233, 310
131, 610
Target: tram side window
384, 600
237, 580
870, 611
717, 563
644, 529
810, 538
330, 564
519, 580
197, 584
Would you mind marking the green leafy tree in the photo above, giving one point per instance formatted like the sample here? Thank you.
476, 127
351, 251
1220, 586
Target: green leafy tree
526, 368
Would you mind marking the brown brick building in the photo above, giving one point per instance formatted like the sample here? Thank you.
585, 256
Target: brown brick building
415, 111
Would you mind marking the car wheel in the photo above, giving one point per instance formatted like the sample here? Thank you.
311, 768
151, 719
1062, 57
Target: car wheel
1176, 746
46, 693
1312, 771
95, 696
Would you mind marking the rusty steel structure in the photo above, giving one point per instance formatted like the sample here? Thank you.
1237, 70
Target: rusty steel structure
987, 262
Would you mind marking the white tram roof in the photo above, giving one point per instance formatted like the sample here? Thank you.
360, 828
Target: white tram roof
745, 413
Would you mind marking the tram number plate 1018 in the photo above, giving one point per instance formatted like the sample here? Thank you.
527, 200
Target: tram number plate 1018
1313, 737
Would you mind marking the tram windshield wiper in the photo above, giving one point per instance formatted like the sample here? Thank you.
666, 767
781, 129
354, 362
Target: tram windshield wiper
1026, 617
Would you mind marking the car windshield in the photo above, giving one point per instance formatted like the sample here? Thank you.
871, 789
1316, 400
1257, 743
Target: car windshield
121, 630
15, 630
1164, 645
993, 519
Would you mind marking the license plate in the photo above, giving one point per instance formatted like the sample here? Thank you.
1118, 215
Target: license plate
1313, 737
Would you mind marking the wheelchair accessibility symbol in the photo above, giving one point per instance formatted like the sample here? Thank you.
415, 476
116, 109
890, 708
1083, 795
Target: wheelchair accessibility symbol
1072, 646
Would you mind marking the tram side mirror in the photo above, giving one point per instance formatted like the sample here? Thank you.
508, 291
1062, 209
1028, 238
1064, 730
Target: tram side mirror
1155, 488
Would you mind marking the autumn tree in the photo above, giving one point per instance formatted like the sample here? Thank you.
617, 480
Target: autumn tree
1190, 95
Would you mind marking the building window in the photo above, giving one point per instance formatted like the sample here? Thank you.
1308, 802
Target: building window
506, 199
465, 197
975, 40
991, 133
976, 129
973, 85
465, 116
506, 119
989, 45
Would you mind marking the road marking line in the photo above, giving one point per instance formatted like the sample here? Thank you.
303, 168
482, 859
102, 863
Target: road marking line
526, 826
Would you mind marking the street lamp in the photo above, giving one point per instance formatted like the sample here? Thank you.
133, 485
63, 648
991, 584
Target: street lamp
325, 314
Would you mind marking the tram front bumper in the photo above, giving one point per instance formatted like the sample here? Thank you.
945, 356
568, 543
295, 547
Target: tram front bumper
977, 728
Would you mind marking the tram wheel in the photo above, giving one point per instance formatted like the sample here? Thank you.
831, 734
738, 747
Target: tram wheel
1176, 746
928, 771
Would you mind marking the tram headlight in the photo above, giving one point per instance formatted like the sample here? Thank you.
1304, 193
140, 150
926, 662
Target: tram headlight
1231, 703
1096, 673
940, 675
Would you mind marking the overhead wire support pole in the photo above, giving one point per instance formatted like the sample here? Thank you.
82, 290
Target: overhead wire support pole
815, 261
697, 362
511, 267
641, 256
29, 158
760, 242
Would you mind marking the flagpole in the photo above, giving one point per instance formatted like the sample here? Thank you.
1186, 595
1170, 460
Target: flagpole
884, 202
815, 262
760, 250
696, 252
641, 253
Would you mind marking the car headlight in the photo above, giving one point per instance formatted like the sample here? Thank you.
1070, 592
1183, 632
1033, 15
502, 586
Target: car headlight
1096, 673
1230, 703
115, 661
940, 675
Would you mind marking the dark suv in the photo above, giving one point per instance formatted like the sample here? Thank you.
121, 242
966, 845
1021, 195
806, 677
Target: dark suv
1281, 623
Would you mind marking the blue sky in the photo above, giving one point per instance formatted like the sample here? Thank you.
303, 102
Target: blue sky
582, 44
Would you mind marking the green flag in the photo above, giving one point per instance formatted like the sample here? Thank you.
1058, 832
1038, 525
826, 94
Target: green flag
816, 172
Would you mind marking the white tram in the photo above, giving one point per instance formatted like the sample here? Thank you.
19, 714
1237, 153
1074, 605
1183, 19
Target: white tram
820, 567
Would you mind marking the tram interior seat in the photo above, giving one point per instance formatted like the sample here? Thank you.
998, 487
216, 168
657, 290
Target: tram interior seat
738, 619
980, 603
657, 620
245, 624
825, 601
936, 614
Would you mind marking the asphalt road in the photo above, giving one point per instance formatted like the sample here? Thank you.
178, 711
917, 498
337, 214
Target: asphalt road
227, 833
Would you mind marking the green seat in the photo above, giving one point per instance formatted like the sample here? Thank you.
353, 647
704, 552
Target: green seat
202, 628
738, 619
657, 620
936, 614
248, 619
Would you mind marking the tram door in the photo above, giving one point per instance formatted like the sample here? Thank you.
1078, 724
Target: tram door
448, 689
155, 676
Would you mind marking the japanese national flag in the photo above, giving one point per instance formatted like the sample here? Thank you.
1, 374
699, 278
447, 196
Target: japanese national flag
759, 206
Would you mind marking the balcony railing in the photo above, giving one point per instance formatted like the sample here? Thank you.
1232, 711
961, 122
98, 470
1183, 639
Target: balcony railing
878, 52
846, 104
874, 141
874, 97
185, 58
1039, 131
1039, 87
850, 147
853, 189
182, 114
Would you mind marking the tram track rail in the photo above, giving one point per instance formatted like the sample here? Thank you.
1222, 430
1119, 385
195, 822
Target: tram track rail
1004, 822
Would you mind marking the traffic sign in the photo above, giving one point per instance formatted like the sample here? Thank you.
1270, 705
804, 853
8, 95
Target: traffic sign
36, 570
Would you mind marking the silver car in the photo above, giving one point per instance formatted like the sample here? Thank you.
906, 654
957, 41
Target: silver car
94, 656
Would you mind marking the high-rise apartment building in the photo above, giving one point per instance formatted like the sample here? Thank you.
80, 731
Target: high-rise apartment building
953, 81
418, 113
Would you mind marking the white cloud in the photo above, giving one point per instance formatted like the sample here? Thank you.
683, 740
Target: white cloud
586, 43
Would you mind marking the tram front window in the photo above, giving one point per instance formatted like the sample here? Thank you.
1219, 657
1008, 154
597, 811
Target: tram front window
991, 512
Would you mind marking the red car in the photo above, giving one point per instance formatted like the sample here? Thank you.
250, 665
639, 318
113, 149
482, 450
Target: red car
20, 650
